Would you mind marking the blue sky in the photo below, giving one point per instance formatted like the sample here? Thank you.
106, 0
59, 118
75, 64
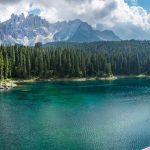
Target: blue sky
143, 3
35, 11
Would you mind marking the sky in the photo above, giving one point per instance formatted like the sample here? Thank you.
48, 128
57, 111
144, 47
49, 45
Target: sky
143, 3
129, 19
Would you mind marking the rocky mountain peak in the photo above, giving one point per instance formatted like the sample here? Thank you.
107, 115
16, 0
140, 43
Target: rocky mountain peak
17, 18
32, 29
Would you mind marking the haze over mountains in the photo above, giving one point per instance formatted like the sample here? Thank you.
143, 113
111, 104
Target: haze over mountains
32, 29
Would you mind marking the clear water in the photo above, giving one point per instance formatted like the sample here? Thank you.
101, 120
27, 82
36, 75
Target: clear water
93, 115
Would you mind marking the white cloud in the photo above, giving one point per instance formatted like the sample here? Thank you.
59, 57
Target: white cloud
127, 21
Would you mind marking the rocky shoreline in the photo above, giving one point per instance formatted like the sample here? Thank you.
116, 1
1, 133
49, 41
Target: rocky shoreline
10, 83
83, 79
7, 85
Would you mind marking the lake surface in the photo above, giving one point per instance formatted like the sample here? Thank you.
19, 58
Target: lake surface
93, 115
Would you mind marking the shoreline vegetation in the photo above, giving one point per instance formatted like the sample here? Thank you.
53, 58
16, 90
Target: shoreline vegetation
11, 83
94, 61
100, 59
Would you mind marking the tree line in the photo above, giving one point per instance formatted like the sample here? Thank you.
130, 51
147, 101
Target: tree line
100, 59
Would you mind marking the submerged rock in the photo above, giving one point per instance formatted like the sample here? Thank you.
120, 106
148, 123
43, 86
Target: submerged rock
2, 87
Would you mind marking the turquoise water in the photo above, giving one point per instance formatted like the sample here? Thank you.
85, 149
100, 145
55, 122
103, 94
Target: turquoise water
93, 115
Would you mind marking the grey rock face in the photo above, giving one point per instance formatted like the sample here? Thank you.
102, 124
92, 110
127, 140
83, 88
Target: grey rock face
32, 29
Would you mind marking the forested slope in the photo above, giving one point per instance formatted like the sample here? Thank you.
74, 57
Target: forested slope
66, 60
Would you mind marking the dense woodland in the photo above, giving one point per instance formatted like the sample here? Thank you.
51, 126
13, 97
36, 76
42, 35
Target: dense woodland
66, 60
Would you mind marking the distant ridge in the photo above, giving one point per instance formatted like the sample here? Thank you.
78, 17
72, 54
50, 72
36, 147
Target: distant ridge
32, 29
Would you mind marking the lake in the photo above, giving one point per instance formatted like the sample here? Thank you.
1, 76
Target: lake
92, 115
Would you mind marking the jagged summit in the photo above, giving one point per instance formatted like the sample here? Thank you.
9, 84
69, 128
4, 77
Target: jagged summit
30, 29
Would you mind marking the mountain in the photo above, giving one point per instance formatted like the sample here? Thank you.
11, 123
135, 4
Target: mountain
107, 35
84, 33
32, 29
